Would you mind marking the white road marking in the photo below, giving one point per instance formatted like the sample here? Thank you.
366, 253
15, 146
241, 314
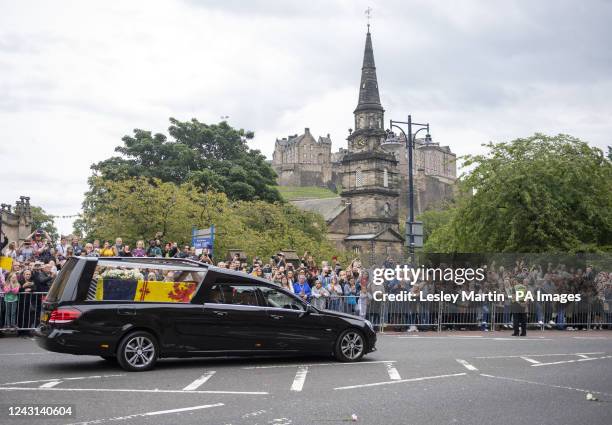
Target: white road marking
141, 415
534, 355
530, 360
524, 381
590, 337
320, 364
50, 384
393, 373
252, 414
441, 336
74, 378
124, 390
573, 361
474, 337
466, 364
300, 378
280, 421
425, 378
29, 354
199, 382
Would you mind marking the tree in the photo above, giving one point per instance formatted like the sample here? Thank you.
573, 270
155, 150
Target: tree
42, 220
610, 153
538, 194
138, 208
434, 220
212, 157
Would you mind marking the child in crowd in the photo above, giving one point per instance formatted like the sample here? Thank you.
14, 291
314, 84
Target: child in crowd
362, 302
11, 289
350, 293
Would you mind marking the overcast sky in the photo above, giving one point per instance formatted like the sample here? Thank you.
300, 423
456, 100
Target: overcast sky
77, 76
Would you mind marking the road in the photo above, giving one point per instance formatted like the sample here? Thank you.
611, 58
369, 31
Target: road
427, 378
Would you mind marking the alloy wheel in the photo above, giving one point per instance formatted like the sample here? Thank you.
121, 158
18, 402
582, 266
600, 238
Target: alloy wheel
139, 351
351, 345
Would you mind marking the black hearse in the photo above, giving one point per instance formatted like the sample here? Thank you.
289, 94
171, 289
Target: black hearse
137, 310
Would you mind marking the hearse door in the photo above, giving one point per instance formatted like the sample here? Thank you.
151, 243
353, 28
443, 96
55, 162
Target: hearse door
234, 318
291, 326
197, 328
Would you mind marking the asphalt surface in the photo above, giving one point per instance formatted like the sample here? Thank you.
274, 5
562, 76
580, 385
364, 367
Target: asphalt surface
427, 378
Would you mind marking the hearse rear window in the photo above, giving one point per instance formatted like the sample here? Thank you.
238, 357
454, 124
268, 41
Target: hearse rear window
57, 288
144, 282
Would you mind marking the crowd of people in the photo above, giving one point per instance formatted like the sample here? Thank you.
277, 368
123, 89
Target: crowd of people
531, 275
594, 288
326, 284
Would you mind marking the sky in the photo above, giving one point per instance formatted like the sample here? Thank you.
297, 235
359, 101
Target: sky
75, 76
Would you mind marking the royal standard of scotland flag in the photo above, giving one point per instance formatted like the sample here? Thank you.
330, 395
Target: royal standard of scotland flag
142, 290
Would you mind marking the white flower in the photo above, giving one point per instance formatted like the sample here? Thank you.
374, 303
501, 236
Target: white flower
123, 274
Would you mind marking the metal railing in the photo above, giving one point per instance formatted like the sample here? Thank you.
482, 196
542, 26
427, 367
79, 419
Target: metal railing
24, 314
472, 315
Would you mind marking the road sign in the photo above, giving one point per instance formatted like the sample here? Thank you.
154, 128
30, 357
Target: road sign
203, 239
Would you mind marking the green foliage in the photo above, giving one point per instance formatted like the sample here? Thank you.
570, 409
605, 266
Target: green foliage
138, 208
434, 221
212, 157
44, 221
290, 193
538, 194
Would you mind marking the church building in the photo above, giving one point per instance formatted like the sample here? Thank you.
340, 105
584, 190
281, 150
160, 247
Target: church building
370, 176
365, 217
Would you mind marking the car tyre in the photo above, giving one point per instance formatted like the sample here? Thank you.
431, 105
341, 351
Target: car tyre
350, 346
138, 351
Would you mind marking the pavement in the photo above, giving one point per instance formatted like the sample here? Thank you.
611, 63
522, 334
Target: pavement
424, 378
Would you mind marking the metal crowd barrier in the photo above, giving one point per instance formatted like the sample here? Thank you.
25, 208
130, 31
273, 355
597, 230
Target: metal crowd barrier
439, 316
24, 314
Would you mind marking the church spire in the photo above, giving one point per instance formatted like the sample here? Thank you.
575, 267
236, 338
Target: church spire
368, 89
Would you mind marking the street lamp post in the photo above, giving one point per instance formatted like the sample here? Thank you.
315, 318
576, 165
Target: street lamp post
410, 143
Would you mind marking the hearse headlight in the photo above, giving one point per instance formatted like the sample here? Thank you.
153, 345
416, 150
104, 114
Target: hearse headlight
367, 322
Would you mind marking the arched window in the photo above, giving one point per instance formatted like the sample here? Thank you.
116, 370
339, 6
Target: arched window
386, 178
358, 178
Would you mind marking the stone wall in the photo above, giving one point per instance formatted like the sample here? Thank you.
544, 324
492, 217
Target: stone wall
374, 253
16, 222
429, 192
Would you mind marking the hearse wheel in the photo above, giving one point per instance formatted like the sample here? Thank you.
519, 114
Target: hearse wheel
350, 346
137, 352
